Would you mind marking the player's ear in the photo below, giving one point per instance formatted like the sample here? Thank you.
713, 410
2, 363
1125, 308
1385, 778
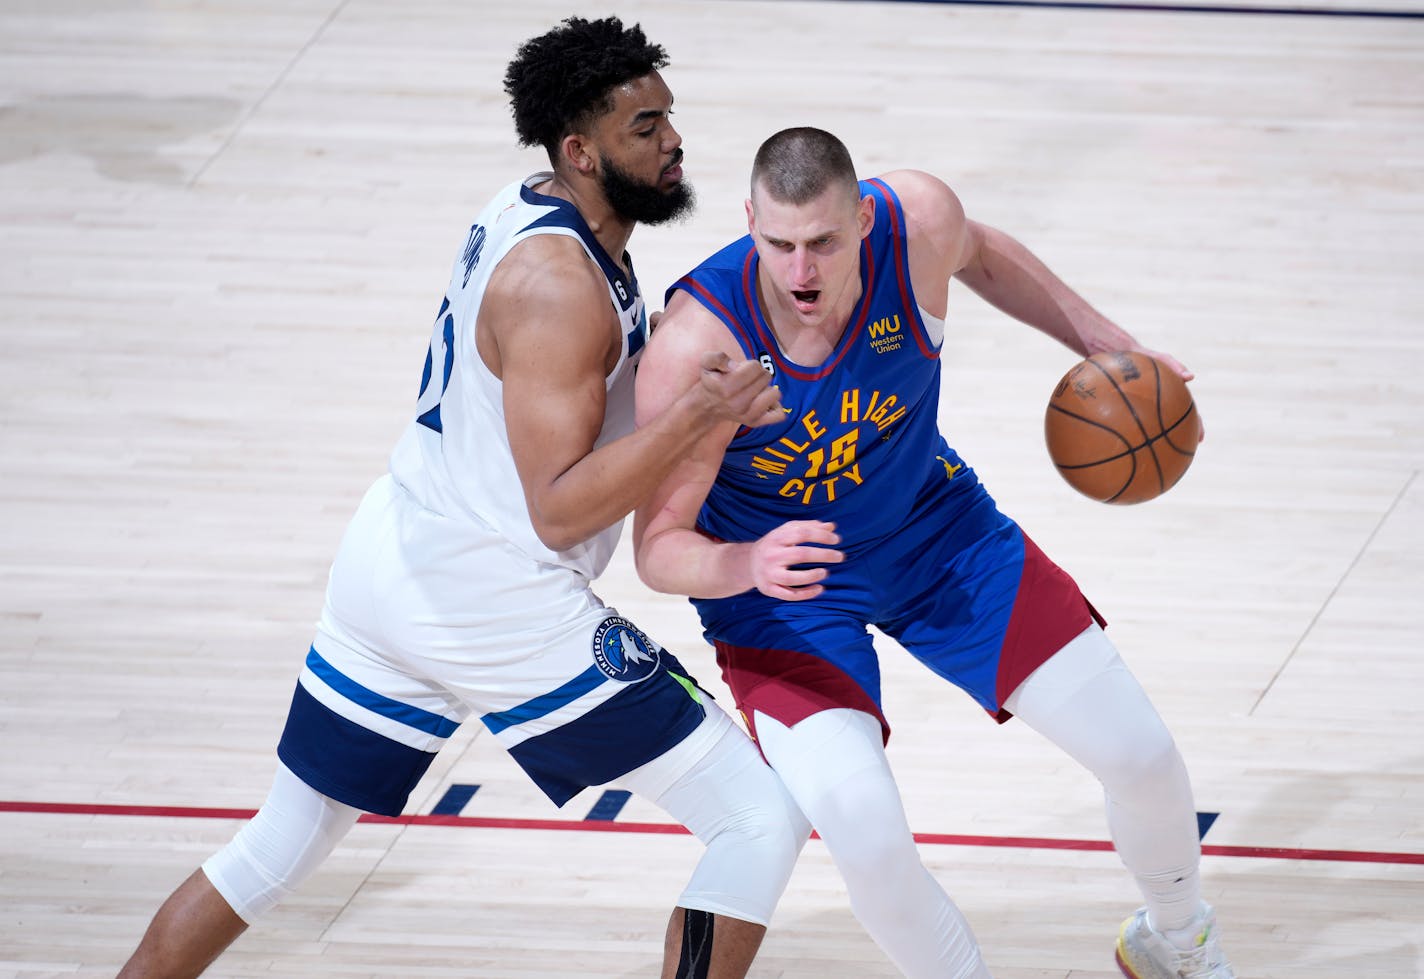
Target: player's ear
865, 215
578, 151
751, 217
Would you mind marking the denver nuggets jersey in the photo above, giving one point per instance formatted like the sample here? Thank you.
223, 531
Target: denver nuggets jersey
454, 458
874, 400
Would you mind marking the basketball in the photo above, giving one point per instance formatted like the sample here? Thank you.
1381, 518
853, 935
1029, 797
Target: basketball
1122, 427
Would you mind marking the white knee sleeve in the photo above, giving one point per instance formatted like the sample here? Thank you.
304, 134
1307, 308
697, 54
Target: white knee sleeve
294, 831
1086, 701
834, 764
739, 809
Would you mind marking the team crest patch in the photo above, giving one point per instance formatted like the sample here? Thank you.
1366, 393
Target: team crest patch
623, 652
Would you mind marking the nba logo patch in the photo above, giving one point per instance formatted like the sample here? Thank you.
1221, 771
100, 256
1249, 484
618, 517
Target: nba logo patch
623, 652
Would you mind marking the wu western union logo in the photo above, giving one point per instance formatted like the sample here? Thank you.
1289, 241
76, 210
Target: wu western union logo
886, 335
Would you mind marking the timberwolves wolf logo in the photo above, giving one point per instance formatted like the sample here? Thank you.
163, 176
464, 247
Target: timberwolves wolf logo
473, 246
623, 652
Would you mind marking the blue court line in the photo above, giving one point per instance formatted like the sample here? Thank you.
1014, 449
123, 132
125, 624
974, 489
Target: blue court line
609, 804
452, 803
1184, 8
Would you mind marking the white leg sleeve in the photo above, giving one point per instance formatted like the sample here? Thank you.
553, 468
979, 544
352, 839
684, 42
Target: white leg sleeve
1086, 701
834, 764
739, 809
294, 831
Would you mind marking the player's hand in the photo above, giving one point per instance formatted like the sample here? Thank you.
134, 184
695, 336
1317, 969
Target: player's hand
1178, 368
777, 559
739, 390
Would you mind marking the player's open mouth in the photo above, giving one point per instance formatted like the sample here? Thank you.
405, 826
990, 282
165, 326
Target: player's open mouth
806, 297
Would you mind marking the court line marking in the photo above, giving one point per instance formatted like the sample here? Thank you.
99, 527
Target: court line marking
602, 826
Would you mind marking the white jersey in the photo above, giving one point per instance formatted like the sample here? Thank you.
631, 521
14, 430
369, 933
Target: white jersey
454, 458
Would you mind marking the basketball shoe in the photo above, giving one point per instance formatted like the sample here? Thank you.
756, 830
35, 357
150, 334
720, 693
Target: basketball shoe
1144, 953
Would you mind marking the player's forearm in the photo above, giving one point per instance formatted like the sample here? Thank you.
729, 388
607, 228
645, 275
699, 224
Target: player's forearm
610, 482
1015, 281
679, 561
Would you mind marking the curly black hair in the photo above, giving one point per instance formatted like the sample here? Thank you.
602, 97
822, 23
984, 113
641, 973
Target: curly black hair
560, 78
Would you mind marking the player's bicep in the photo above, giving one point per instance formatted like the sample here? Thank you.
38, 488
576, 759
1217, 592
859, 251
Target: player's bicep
553, 336
671, 362
670, 368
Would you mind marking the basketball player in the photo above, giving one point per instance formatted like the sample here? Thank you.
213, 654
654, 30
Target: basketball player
461, 587
853, 510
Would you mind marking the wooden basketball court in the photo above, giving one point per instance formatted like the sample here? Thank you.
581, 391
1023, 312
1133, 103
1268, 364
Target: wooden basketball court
224, 230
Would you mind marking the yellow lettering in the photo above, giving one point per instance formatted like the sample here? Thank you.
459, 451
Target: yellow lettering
766, 465
815, 459
882, 327
786, 441
780, 455
878, 414
843, 451
813, 427
886, 423
850, 406
807, 488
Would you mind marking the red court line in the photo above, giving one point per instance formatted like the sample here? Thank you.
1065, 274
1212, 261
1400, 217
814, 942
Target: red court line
610, 826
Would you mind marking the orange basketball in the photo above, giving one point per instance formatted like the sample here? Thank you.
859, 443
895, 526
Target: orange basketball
1122, 427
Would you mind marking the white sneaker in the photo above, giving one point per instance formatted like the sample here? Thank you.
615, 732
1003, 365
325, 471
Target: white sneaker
1143, 953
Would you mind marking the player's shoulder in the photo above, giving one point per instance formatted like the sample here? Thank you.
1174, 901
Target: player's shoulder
548, 267
687, 324
935, 222
685, 331
926, 198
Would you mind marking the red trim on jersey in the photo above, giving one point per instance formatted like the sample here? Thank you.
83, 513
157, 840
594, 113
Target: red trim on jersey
912, 308
768, 338
789, 686
705, 296
1049, 612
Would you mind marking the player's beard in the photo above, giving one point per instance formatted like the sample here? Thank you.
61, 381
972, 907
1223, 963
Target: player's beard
642, 202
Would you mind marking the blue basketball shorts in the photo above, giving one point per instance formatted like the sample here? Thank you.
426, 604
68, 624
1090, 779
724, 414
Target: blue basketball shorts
958, 585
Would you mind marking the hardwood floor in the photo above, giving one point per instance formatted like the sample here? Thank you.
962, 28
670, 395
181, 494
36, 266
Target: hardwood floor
224, 229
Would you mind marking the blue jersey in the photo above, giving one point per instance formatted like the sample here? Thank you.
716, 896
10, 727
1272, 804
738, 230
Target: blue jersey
930, 560
861, 435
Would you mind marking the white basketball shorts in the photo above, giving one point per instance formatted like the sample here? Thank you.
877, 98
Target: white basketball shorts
429, 620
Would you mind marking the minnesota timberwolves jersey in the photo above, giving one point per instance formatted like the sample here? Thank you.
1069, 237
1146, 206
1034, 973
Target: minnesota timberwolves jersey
454, 458
874, 399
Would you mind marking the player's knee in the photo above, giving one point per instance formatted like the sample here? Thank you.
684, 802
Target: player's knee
1146, 765
877, 857
250, 885
771, 832
279, 848
865, 831
748, 862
